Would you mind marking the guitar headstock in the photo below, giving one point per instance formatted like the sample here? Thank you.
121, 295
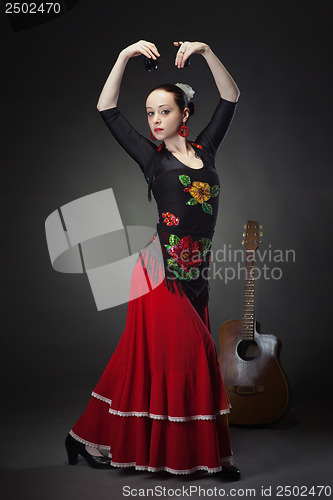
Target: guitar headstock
251, 235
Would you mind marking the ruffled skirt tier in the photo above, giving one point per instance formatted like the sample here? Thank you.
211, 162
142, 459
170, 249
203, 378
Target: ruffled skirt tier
160, 403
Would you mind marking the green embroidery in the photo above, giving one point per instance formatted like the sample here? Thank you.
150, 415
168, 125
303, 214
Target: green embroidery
207, 243
214, 190
193, 273
206, 207
192, 201
173, 240
185, 180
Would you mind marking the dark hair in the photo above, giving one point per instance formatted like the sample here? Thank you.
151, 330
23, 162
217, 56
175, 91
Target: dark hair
182, 103
179, 96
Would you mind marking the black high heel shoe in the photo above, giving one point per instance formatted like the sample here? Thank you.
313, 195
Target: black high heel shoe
75, 448
230, 473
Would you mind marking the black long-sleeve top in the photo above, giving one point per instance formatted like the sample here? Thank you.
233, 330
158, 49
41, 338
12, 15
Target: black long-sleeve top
187, 198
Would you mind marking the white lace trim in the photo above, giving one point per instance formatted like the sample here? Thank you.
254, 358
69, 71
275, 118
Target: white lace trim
167, 417
101, 398
168, 469
147, 467
156, 416
88, 443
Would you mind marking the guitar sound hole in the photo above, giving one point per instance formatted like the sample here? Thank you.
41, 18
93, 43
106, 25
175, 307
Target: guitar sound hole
247, 350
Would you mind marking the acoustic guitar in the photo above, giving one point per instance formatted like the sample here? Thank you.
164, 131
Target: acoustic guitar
256, 384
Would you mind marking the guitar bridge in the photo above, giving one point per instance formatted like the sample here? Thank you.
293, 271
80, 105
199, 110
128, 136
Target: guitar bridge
246, 389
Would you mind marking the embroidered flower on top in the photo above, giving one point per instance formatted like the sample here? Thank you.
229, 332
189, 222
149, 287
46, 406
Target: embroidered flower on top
170, 219
201, 192
186, 255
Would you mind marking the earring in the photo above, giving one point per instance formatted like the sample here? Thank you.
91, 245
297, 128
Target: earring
183, 131
153, 138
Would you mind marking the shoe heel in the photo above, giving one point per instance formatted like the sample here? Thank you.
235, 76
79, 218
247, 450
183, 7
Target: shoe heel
75, 448
72, 453
73, 457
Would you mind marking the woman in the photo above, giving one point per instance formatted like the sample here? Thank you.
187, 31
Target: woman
160, 403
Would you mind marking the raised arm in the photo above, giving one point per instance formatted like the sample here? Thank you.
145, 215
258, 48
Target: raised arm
226, 85
136, 145
110, 92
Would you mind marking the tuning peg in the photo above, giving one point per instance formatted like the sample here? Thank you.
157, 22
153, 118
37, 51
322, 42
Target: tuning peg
244, 234
261, 226
243, 241
261, 233
244, 226
260, 241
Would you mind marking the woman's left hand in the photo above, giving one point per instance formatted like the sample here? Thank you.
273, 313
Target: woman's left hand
186, 49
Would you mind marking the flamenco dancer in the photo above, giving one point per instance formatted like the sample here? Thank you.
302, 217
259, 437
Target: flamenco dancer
161, 403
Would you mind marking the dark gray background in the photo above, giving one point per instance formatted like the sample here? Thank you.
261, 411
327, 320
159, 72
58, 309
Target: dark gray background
274, 166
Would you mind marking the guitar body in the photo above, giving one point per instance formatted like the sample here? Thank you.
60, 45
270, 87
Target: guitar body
256, 385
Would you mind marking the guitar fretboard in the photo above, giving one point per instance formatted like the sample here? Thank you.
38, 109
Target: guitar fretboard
248, 301
250, 242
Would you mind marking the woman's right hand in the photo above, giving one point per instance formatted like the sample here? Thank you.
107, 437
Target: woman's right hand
110, 92
148, 49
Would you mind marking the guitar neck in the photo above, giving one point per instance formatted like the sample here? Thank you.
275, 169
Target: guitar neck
250, 242
248, 299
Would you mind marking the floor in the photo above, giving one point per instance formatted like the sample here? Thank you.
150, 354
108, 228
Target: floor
296, 453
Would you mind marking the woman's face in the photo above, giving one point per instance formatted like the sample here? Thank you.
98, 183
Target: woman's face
164, 116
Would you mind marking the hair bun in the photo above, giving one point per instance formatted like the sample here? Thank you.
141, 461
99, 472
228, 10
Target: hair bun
191, 108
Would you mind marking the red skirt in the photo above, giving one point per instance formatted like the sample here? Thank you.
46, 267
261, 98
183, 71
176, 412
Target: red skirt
160, 403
